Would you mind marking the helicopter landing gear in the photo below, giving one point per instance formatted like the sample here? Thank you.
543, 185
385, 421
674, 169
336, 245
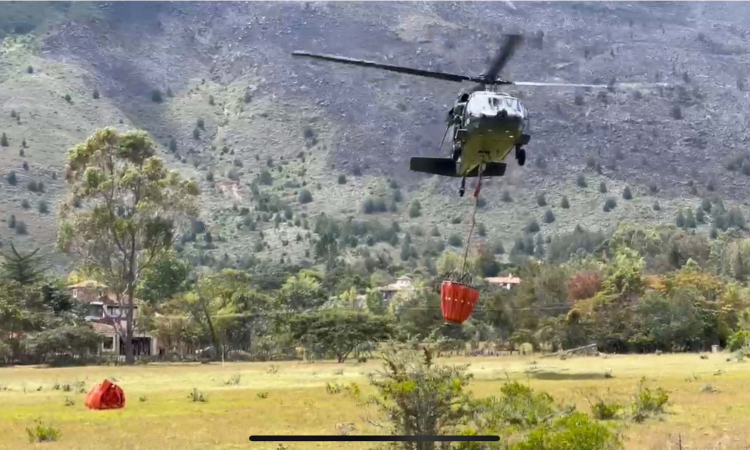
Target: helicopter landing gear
456, 154
462, 189
520, 155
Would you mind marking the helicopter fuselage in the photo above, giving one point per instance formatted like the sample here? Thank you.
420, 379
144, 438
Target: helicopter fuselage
487, 127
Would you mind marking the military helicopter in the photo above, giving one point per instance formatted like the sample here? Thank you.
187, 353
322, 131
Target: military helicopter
487, 124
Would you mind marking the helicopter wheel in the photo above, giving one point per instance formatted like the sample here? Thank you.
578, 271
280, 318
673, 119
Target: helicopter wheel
521, 156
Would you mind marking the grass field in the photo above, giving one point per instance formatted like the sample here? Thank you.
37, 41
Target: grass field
159, 414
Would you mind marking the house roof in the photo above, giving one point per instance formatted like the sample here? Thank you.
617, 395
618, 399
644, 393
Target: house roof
90, 284
503, 280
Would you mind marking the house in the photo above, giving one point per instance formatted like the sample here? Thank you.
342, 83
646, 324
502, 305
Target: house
504, 282
403, 283
107, 317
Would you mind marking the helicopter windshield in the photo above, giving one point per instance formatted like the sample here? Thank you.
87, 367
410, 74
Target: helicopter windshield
490, 104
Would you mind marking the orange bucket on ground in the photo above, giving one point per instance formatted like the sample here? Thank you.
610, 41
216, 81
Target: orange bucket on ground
105, 396
457, 301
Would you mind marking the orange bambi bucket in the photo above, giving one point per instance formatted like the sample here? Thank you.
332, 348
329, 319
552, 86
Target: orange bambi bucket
457, 301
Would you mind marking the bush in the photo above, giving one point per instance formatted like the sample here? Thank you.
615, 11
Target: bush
96, 94
415, 210
266, 178
602, 410
680, 219
532, 226
4, 140
603, 187
706, 205
434, 231
677, 112
196, 133
653, 188
648, 402
211, 100
342, 179
626, 194
305, 196
714, 233
564, 203
42, 432
549, 217
42, 206
12, 221
172, 145
481, 230
610, 204
540, 200
68, 98
738, 340
581, 181
197, 396
29, 70
11, 178
25, 204
248, 97
497, 248
156, 96
455, 240
656, 206
200, 124
506, 197
210, 176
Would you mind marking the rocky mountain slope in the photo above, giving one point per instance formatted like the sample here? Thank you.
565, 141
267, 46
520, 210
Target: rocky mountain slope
236, 104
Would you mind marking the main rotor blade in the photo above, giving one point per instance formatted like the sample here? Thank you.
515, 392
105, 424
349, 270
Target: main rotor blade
512, 42
634, 85
389, 67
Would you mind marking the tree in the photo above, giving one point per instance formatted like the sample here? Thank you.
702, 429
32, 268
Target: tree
700, 216
172, 145
603, 187
4, 140
415, 210
96, 94
340, 331
680, 220
540, 200
23, 269
549, 216
305, 196
564, 203
690, 219
419, 398
162, 280
156, 96
581, 181
135, 206
626, 194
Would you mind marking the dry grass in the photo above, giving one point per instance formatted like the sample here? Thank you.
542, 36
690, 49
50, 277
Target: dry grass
297, 401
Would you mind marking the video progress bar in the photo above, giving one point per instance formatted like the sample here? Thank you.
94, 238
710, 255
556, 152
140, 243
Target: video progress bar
372, 438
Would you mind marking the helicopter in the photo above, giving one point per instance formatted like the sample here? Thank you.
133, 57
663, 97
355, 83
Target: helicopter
487, 124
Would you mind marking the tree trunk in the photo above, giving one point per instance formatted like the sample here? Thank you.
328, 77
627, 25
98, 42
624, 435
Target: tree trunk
129, 357
214, 338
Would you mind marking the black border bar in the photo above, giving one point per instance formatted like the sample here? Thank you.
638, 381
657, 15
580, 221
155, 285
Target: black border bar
371, 438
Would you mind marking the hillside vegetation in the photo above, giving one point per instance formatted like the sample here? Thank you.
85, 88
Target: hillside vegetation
216, 87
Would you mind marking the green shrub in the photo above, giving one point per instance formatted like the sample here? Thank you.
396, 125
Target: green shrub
29, 70
571, 432
738, 340
12, 221
42, 432
156, 96
602, 410
342, 179
11, 178
96, 94
564, 203
305, 196
172, 145
234, 380
266, 178
415, 210
42, 207
481, 230
25, 204
197, 396
610, 204
648, 402
603, 187
68, 98
540, 200
4, 140
549, 216
211, 100
581, 181
532, 226
455, 240
626, 194
506, 197
200, 124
